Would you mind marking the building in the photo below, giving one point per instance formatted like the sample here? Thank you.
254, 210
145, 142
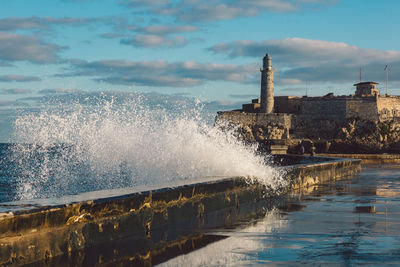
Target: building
366, 89
329, 117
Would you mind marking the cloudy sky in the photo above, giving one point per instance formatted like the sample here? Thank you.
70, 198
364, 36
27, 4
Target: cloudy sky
210, 50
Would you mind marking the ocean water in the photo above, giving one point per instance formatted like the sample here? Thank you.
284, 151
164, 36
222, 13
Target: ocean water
8, 175
114, 141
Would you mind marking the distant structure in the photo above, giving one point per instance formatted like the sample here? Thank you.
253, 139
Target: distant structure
366, 89
343, 118
267, 86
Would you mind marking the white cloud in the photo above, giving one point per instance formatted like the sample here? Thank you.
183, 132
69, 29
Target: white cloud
168, 29
190, 11
18, 78
212, 10
306, 52
152, 36
290, 81
298, 60
58, 91
9, 103
141, 3
162, 73
111, 35
42, 23
14, 91
152, 41
17, 47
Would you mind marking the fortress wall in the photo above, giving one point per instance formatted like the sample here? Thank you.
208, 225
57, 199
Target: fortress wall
304, 126
319, 117
258, 126
287, 104
364, 108
388, 107
323, 108
252, 119
265, 119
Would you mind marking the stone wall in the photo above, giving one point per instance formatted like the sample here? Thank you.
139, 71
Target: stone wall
342, 117
255, 118
257, 126
287, 104
324, 108
310, 127
388, 107
350, 124
138, 225
337, 108
364, 108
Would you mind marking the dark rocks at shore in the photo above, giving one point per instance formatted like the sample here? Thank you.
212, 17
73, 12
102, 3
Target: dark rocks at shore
353, 136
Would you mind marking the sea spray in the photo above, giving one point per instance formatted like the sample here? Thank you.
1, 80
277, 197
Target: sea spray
78, 147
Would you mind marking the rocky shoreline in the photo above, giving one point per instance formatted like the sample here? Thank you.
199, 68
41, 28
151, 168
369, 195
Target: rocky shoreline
353, 136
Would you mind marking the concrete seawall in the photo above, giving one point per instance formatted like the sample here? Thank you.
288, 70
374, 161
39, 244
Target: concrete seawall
369, 158
141, 226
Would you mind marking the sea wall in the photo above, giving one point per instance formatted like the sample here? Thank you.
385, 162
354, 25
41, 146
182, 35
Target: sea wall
369, 158
144, 223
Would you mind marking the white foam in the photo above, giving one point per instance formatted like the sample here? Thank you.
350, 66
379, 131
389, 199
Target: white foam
127, 144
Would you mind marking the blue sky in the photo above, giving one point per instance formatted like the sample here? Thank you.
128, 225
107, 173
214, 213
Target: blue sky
210, 50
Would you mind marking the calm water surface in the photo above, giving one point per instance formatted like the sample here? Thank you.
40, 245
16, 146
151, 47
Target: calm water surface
352, 222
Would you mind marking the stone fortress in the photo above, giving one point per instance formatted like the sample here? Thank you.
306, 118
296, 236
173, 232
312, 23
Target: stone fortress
363, 122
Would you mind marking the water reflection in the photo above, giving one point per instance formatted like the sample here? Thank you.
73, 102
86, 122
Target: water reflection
236, 248
345, 223
350, 222
365, 209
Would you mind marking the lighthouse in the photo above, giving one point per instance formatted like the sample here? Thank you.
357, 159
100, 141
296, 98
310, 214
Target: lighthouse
267, 86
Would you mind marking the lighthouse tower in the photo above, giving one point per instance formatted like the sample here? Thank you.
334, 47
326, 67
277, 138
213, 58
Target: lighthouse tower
267, 86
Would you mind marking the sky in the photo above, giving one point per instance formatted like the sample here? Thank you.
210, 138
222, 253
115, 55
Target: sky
211, 50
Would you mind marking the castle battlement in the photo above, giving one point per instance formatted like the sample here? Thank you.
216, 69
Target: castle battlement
366, 103
365, 115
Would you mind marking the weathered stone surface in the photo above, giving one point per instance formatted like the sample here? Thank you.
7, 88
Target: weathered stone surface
256, 126
369, 158
148, 218
353, 135
358, 123
267, 86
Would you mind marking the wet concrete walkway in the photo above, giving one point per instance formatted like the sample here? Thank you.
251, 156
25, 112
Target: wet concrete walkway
350, 222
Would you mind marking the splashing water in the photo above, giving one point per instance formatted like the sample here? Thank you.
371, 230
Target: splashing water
78, 148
